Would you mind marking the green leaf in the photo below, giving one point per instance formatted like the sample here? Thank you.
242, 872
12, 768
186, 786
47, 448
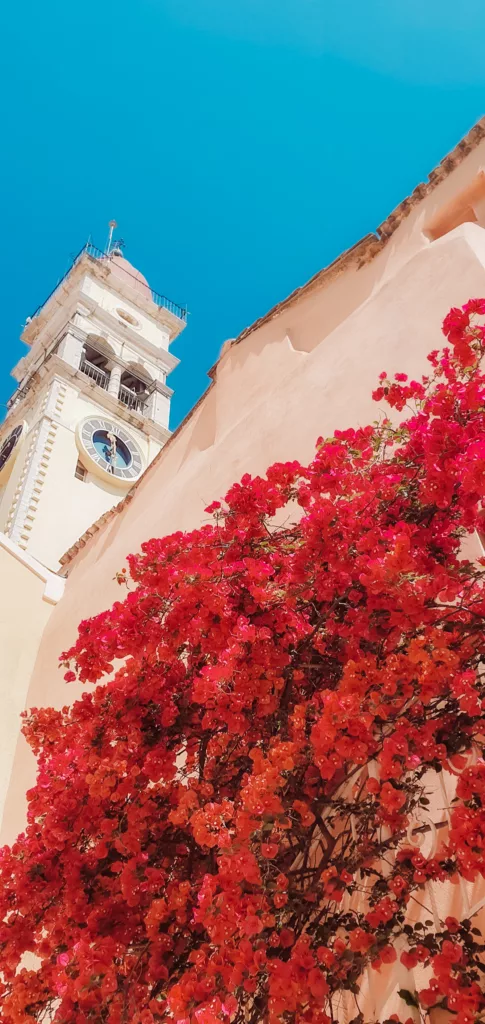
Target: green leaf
408, 997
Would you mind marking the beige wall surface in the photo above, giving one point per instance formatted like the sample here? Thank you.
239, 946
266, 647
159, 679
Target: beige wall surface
25, 607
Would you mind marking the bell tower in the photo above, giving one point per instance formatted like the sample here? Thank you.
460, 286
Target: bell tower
91, 410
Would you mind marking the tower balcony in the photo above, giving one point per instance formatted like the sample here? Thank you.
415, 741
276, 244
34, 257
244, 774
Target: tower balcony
147, 398
96, 373
133, 400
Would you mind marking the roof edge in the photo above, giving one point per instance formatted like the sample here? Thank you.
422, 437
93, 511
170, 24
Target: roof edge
374, 242
359, 253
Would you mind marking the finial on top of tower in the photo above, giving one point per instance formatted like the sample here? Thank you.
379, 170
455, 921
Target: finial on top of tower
112, 225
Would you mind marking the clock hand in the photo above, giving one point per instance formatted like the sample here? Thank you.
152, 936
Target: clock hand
112, 449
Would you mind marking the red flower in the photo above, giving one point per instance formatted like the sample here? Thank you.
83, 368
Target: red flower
317, 984
269, 850
252, 925
391, 799
388, 954
273, 695
287, 937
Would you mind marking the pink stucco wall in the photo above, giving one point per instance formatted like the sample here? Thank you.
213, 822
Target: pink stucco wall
309, 370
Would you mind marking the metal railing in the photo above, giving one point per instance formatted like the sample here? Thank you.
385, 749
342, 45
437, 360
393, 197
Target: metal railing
131, 399
18, 395
98, 254
95, 373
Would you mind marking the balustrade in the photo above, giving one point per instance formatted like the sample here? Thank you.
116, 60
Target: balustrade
100, 377
131, 399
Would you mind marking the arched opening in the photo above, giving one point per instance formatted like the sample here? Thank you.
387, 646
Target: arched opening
96, 360
134, 388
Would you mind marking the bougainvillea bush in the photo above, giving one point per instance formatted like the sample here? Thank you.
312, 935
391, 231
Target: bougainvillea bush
222, 829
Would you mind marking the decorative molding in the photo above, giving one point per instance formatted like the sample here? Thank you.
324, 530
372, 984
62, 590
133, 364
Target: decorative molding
54, 584
21, 481
24, 508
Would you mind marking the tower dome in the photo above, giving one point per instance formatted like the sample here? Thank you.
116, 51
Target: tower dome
124, 271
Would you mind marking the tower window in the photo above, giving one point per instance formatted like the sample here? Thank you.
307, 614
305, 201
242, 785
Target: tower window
80, 471
95, 365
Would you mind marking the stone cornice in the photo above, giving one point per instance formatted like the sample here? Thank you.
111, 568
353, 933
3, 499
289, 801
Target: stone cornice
162, 388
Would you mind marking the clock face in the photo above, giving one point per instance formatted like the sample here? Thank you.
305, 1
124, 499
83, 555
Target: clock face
9, 445
109, 449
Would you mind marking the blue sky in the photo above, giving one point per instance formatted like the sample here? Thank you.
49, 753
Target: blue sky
240, 144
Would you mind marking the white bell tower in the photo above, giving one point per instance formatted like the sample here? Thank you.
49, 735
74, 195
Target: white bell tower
92, 406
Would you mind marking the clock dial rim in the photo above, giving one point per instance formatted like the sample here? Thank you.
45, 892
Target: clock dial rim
7, 466
95, 462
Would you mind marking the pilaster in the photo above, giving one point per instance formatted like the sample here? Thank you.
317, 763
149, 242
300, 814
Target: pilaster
28, 493
158, 404
71, 347
115, 381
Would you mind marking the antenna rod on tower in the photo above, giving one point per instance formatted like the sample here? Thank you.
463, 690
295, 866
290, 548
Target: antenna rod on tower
112, 225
